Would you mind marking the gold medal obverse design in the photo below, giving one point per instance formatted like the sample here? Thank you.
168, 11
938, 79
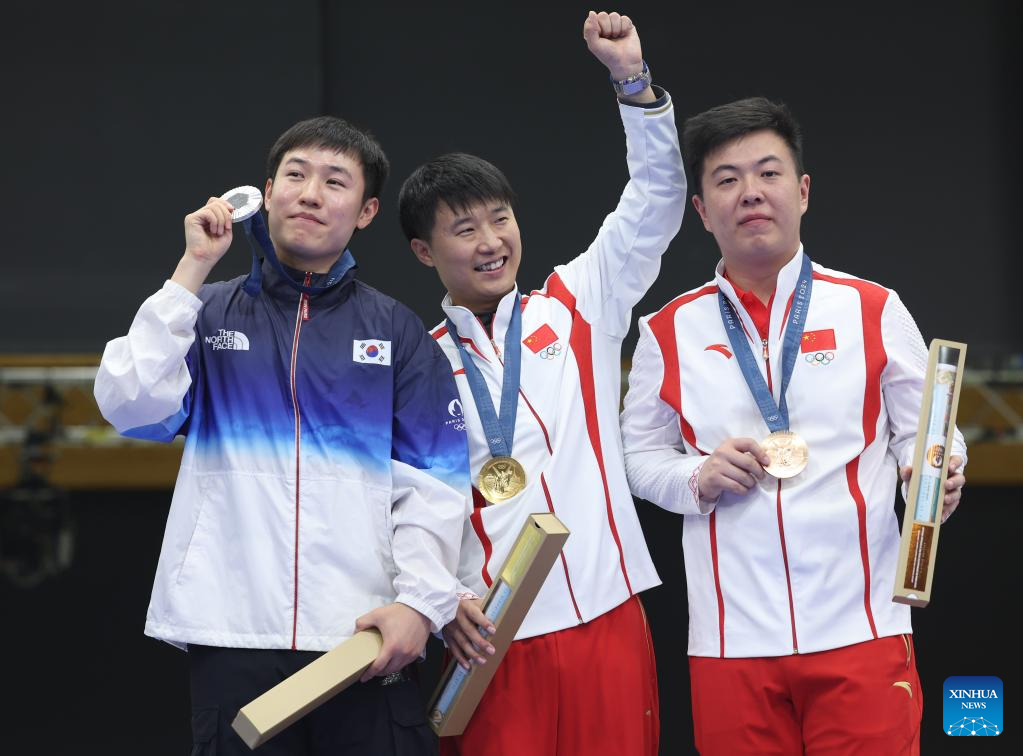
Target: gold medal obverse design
788, 453
500, 479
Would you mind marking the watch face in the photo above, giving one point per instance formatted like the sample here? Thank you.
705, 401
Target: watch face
635, 87
634, 84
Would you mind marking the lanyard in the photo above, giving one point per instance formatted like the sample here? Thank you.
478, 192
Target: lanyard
776, 417
499, 430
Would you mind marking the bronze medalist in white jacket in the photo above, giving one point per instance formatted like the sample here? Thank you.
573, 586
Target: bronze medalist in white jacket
803, 564
567, 435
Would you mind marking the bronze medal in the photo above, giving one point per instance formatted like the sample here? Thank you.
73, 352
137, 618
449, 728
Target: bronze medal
788, 453
500, 479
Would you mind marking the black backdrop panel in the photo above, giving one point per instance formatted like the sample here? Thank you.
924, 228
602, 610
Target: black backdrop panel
123, 117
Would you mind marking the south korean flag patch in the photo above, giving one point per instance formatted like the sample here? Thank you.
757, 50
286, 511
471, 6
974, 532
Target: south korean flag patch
371, 351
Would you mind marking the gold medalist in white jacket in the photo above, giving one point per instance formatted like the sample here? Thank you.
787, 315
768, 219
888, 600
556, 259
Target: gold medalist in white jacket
566, 433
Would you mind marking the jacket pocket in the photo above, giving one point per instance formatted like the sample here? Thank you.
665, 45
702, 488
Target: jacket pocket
194, 539
412, 735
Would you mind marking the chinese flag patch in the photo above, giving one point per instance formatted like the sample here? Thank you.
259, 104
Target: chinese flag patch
816, 341
541, 338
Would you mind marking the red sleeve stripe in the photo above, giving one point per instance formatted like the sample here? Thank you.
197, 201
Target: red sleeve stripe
662, 325
556, 289
580, 341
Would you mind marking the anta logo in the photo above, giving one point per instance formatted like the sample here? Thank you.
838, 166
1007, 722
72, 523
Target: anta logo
720, 349
228, 340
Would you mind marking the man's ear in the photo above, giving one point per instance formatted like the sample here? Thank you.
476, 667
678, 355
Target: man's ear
804, 193
422, 252
701, 210
267, 191
369, 211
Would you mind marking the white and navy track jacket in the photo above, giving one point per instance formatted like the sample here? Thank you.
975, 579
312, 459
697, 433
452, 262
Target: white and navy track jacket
566, 433
798, 565
321, 475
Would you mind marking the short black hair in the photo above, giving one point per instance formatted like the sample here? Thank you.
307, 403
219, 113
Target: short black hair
457, 179
713, 128
335, 134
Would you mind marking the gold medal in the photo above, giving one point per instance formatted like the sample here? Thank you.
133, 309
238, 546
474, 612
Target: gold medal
501, 478
788, 453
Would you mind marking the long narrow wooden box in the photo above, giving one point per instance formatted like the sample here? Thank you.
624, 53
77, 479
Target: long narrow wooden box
292, 699
506, 604
921, 522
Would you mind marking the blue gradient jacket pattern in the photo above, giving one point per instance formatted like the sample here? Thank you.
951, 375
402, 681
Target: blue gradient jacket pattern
323, 474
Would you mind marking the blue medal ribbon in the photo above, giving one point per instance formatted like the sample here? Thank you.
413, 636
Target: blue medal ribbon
776, 417
498, 429
255, 227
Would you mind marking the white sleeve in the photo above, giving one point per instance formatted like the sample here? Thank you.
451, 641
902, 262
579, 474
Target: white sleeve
471, 559
427, 515
429, 478
143, 378
623, 261
659, 468
903, 381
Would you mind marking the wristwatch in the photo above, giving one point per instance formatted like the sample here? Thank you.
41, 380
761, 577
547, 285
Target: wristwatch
633, 84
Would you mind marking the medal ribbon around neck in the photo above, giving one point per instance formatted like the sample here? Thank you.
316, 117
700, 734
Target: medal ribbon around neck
498, 429
776, 416
246, 201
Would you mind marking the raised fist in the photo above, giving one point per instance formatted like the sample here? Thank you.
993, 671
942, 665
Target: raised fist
614, 41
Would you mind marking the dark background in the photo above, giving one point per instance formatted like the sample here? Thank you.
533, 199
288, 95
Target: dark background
122, 117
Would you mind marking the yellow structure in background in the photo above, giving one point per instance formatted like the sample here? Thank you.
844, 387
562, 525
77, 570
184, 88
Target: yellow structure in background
50, 426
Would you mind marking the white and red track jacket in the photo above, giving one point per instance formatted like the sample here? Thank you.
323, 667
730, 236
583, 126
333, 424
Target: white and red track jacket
566, 433
798, 565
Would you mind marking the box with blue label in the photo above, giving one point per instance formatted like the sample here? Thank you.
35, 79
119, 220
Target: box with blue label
506, 604
921, 522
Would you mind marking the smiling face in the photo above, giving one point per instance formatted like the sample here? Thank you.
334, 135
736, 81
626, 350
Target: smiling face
753, 200
314, 203
476, 252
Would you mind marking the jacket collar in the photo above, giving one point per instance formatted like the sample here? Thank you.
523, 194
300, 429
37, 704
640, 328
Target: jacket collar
341, 274
788, 276
469, 326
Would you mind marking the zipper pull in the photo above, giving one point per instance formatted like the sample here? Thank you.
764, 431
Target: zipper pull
305, 307
764, 342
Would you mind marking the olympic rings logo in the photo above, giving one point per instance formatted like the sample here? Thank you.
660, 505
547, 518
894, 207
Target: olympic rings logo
550, 352
820, 358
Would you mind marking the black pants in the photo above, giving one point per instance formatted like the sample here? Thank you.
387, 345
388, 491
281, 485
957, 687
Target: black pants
367, 719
